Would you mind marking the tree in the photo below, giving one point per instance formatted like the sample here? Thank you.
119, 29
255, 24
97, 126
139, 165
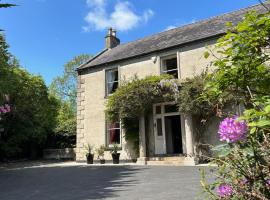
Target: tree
33, 112
6, 5
65, 86
242, 72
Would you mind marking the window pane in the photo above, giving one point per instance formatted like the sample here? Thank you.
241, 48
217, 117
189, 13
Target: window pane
111, 81
170, 64
111, 87
159, 127
158, 109
112, 75
174, 73
170, 67
171, 108
114, 136
114, 125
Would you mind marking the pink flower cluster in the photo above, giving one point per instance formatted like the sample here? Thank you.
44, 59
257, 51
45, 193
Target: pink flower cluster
268, 182
224, 190
5, 109
232, 130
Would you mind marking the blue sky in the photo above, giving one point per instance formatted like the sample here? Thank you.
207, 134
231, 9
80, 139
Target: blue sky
45, 34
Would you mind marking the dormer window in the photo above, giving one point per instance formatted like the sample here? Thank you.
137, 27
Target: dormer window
169, 66
111, 81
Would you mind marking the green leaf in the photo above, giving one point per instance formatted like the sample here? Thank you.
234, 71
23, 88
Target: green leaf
263, 123
206, 54
267, 109
222, 150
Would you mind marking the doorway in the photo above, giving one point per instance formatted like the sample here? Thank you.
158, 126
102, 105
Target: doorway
173, 134
167, 129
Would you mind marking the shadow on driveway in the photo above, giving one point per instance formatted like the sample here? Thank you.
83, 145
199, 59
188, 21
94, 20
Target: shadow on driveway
66, 183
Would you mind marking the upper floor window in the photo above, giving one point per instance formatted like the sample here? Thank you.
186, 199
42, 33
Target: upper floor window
169, 66
111, 81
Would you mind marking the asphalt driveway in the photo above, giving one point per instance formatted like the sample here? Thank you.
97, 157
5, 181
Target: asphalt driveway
82, 182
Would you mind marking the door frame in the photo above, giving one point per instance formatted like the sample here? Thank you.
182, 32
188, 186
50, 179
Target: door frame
162, 139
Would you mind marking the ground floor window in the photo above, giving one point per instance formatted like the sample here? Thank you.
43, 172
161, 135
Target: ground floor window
113, 133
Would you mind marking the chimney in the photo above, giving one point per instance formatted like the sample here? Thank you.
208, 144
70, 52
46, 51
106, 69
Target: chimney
111, 40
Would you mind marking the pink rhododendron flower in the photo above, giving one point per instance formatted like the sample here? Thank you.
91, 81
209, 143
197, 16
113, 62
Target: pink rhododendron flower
231, 130
224, 190
268, 182
5, 108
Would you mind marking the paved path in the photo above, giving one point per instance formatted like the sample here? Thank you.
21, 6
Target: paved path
82, 182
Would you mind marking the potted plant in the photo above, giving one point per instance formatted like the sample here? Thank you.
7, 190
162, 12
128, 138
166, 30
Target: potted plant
115, 154
89, 154
100, 152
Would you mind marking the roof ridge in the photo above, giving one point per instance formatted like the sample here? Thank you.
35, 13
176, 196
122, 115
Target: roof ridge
200, 30
197, 22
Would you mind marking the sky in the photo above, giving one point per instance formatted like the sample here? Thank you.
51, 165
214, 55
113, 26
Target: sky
46, 34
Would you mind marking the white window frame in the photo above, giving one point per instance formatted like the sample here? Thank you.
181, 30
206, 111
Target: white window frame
107, 131
169, 56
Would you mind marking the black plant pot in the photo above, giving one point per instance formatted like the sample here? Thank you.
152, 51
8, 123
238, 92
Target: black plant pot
102, 161
115, 157
90, 158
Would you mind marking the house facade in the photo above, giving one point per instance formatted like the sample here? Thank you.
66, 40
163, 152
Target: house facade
165, 131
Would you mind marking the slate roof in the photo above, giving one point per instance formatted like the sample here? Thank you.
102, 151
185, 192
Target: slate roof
204, 29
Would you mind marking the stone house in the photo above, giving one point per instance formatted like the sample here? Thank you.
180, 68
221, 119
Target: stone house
165, 135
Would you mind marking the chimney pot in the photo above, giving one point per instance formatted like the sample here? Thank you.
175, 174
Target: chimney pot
111, 40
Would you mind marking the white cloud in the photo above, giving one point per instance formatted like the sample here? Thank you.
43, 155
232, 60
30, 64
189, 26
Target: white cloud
122, 17
182, 23
170, 27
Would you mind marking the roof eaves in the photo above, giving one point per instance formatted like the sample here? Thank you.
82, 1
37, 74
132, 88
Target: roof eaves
160, 50
90, 60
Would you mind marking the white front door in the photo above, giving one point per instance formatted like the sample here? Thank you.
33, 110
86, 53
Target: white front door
160, 140
160, 111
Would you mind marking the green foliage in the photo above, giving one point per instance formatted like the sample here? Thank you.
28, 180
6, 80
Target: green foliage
33, 112
6, 5
244, 51
243, 73
114, 149
66, 120
89, 149
63, 88
190, 101
131, 127
136, 97
100, 151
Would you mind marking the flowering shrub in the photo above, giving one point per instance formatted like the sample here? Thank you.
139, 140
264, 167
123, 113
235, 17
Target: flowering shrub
224, 190
231, 130
5, 109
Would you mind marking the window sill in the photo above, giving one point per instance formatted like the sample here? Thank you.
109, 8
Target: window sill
111, 148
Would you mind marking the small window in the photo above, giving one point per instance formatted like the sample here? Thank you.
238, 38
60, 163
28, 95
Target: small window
113, 133
171, 108
111, 81
169, 66
159, 127
158, 109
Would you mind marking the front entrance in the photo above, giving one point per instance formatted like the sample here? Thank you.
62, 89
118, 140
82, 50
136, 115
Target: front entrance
167, 128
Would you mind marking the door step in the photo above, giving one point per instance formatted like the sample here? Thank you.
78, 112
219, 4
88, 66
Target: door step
171, 160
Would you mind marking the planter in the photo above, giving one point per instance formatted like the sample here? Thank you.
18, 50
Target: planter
115, 157
102, 161
90, 158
